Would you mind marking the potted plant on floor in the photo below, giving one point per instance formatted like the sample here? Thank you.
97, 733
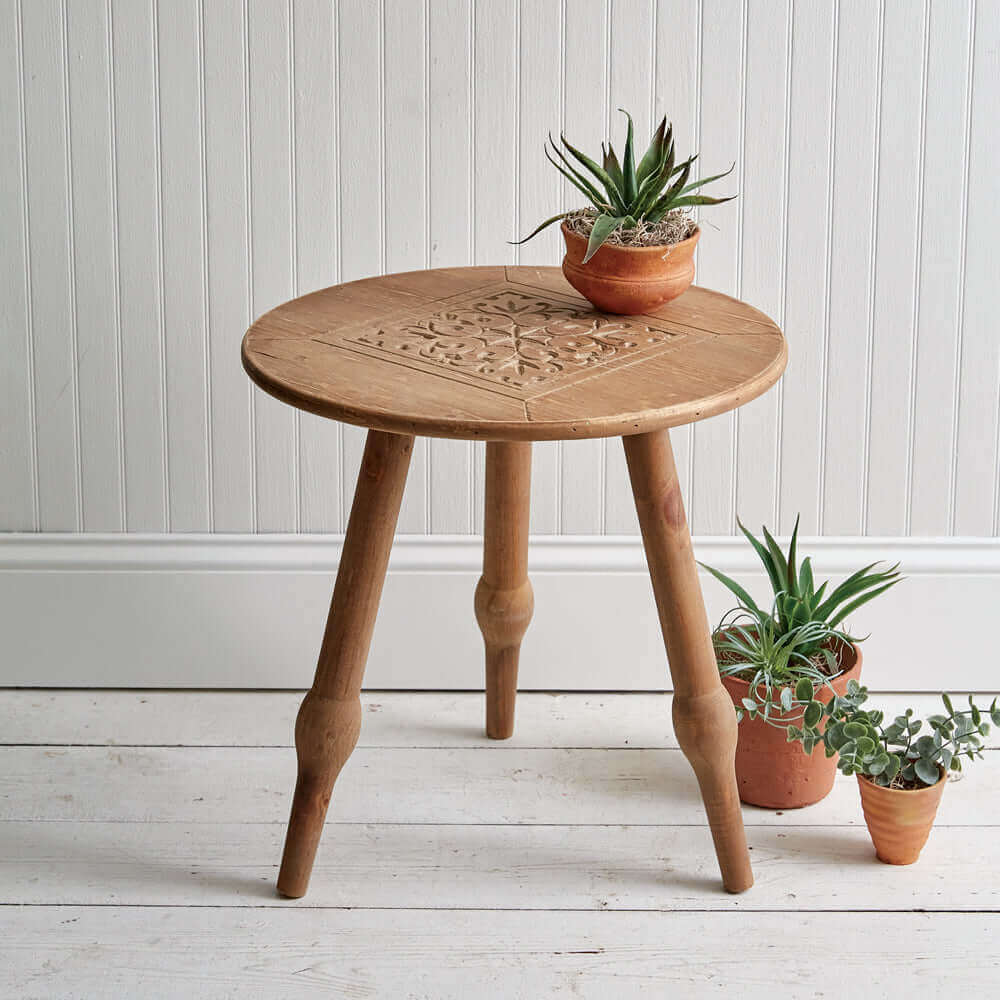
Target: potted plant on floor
633, 249
773, 661
901, 774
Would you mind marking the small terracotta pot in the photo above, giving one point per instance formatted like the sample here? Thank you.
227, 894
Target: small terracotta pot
629, 280
776, 774
900, 820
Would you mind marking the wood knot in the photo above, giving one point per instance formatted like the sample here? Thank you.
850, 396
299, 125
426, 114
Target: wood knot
672, 506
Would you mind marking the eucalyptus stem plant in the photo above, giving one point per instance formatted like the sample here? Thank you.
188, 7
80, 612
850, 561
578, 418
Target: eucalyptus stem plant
895, 755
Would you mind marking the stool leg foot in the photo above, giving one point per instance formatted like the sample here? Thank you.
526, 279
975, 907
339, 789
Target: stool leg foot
704, 718
329, 720
504, 599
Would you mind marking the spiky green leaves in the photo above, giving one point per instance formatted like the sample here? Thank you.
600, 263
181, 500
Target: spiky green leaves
796, 598
625, 193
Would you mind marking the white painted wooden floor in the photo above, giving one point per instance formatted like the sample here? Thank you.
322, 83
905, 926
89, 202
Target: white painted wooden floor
140, 834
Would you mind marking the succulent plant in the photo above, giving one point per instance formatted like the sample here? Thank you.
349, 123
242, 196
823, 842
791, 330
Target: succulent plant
797, 638
625, 193
797, 599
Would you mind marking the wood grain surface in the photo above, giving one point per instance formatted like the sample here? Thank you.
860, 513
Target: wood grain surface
508, 353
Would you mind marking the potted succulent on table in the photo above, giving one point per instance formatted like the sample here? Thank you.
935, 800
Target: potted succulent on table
772, 661
633, 248
901, 774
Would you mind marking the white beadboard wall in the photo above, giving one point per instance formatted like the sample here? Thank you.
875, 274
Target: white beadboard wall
169, 169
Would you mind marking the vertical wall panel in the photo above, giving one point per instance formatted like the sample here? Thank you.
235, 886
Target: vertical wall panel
139, 292
540, 111
362, 206
677, 94
18, 485
942, 229
272, 243
762, 182
494, 203
806, 264
900, 172
169, 171
449, 214
630, 86
94, 266
51, 261
585, 89
316, 233
856, 128
975, 449
720, 144
406, 173
179, 72
229, 308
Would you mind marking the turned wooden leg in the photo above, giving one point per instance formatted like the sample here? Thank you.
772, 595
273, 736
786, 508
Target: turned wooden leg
504, 600
704, 719
329, 719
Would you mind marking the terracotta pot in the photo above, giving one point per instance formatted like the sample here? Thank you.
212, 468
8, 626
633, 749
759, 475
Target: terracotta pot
774, 773
629, 280
900, 820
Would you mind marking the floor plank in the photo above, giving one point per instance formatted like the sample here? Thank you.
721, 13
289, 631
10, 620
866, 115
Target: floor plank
169, 952
391, 719
395, 785
488, 867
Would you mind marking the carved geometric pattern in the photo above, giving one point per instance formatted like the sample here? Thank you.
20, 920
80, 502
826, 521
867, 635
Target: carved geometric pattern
514, 339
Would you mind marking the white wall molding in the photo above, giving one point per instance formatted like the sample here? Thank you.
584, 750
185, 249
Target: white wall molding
247, 611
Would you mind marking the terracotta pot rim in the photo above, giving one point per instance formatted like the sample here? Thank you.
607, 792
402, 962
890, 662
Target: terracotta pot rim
655, 249
849, 674
865, 782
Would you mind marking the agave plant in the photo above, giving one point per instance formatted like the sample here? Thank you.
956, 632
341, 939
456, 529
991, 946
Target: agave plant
624, 193
797, 600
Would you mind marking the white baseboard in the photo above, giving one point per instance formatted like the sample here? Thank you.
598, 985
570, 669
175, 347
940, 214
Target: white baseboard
247, 611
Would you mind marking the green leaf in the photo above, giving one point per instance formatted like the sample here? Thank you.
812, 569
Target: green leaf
926, 771
892, 768
749, 704
614, 194
708, 180
649, 189
654, 154
604, 226
863, 579
629, 186
858, 601
804, 689
813, 713
786, 699
879, 764
611, 164
538, 229
764, 556
577, 179
792, 573
947, 704
730, 584
778, 556
689, 200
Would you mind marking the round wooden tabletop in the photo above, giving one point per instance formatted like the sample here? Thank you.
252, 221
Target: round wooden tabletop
509, 354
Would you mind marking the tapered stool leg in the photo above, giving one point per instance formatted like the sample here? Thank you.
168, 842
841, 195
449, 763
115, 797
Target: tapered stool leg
504, 600
329, 719
704, 719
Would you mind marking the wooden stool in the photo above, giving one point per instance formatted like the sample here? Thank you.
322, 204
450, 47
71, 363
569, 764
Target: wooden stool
510, 356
